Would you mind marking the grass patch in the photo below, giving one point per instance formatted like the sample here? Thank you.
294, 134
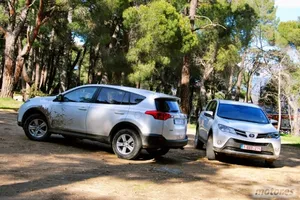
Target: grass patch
9, 103
290, 139
192, 126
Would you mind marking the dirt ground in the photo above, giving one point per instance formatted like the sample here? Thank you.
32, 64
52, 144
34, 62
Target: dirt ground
81, 169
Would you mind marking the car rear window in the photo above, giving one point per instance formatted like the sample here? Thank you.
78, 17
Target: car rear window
135, 98
112, 96
167, 105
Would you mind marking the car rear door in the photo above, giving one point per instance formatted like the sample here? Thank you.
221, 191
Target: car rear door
175, 122
111, 107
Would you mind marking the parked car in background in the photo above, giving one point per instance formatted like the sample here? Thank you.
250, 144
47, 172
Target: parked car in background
128, 119
239, 129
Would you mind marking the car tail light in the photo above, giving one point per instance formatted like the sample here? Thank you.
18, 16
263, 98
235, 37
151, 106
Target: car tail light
158, 115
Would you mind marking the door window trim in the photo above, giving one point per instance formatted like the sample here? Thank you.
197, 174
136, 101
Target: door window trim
92, 99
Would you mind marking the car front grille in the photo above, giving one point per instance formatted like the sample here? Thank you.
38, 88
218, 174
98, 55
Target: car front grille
262, 135
259, 135
241, 133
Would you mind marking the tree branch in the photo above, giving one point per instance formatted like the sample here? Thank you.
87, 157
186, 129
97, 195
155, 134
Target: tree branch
3, 30
207, 25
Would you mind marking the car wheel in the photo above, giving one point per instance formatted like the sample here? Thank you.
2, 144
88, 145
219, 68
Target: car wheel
158, 152
198, 144
127, 144
210, 154
36, 128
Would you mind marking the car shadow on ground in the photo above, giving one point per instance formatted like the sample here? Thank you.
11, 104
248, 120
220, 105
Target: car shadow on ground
287, 158
94, 146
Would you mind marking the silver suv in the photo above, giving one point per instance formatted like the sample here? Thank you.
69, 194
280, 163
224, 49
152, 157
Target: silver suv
239, 129
128, 119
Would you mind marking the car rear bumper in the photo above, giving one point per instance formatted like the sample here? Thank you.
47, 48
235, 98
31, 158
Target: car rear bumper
158, 141
233, 147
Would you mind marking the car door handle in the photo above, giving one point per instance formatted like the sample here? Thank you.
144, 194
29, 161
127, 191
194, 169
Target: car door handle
82, 108
119, 113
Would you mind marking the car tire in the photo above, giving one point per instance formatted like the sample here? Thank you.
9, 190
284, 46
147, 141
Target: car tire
198, 144
127, 144
158, 152
210, 153
36, 128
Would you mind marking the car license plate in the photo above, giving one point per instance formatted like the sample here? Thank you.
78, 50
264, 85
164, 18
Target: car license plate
179, 121
251, 148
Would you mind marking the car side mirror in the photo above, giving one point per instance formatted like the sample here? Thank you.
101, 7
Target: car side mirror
274, 122
209, 114
59, 98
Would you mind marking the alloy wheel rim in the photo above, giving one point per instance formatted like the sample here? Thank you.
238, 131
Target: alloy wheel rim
125, 144
37, 128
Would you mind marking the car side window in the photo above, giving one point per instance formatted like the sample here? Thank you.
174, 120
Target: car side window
208, 106
112, 96
213, 107
80, 95
135, 98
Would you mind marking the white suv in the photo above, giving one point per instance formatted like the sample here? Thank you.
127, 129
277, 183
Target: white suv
239, 129
127, 118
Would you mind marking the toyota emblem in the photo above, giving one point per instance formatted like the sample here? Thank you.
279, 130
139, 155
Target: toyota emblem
251, 135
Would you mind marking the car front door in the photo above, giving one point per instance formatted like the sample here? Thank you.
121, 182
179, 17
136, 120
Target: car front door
70, 113
207, 121
110, 108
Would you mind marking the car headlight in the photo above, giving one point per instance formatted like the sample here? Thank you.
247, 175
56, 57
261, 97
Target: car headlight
273, 135
226, 129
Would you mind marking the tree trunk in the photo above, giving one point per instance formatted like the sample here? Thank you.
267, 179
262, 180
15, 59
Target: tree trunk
202, 98
230, 84
9, 66
63, 65
248, 89
2, 69
238, 85
79, 65
71, 69
208, 69
296, 127
279, 101
185, 72
92, 65
185, 82
37, 76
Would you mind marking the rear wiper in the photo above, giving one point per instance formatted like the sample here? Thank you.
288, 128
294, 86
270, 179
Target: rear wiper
173, 110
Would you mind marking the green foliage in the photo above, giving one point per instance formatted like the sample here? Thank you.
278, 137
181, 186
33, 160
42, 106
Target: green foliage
3, 16
33, 92
290, 139
9, 103
227, 57
290, 31
158, 32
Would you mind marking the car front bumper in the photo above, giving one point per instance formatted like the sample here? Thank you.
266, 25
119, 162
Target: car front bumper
158, 141
233, 147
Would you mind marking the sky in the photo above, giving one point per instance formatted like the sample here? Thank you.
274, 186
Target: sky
288, 9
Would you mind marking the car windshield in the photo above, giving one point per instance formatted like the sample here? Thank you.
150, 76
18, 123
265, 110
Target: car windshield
242, 113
